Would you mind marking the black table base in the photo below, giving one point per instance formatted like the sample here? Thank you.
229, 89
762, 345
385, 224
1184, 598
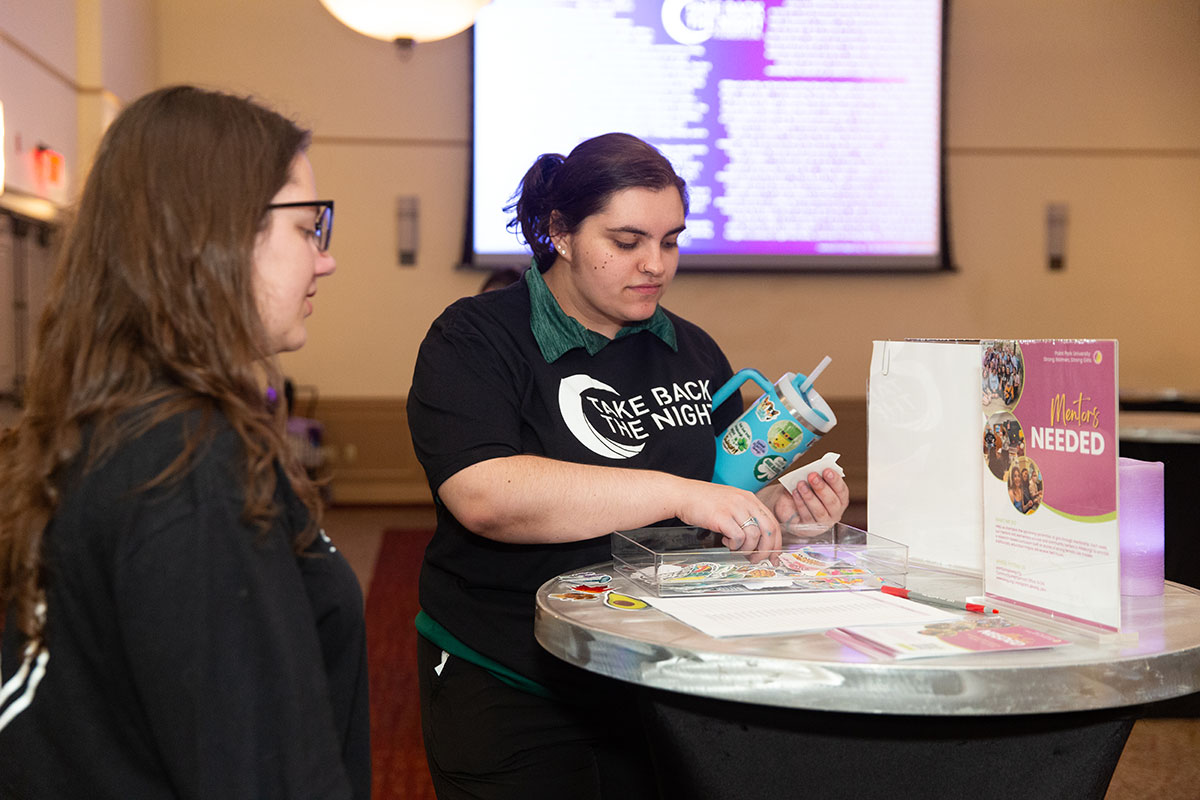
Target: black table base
705, 748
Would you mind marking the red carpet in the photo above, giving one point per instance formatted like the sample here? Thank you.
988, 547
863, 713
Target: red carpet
398, 757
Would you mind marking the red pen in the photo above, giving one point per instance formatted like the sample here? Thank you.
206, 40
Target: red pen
900, 591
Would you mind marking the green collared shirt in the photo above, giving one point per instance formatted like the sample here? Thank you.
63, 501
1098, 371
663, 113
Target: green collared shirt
556, 333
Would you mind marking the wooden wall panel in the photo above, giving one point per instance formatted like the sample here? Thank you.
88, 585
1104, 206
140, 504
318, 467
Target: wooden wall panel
370, 452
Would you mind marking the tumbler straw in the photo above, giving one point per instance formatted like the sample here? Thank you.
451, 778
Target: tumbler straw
808, 382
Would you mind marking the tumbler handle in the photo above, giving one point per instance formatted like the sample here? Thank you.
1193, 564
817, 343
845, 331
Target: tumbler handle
736, 382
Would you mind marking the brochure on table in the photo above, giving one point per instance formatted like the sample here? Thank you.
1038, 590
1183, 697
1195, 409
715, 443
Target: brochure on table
1049, 444
973, 634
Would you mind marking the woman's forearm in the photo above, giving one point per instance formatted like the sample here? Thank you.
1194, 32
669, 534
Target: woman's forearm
533, 499
530, 499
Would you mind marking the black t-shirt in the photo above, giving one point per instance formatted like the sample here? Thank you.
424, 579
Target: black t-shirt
189, 654
483, 390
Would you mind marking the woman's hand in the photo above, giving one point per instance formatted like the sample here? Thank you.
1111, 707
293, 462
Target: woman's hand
745, 523
533, 500
818, 501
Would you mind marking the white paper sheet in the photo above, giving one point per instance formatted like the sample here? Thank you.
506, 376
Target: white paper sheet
794, 612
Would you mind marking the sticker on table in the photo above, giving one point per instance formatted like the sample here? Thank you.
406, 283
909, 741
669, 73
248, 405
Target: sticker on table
801, 562
663, 572
699, 571
584, 587
760, 585
575, 596
835, 583
587, 578
753, 571
809, 560
838, 581
709, 588
623, 602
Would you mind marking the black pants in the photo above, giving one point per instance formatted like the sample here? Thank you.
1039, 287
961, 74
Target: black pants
485, 739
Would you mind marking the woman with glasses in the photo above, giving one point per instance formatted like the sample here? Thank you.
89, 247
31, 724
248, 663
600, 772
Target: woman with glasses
547, 415
177, 624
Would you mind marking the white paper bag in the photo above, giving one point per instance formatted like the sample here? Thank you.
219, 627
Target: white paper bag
925, 450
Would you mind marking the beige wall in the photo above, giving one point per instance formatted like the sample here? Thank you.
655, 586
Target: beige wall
65, 68
37, 87
1092, 103
1089, 103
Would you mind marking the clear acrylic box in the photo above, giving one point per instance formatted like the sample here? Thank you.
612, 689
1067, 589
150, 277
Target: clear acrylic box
691, 560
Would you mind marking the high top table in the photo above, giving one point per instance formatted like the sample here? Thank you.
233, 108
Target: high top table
802, 715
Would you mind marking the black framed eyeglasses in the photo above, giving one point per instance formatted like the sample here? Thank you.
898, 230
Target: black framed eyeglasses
322, 229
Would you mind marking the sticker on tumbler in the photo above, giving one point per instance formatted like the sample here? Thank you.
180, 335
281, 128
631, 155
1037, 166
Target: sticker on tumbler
758, 447
769, 468
766, 410
785, 435
736, 439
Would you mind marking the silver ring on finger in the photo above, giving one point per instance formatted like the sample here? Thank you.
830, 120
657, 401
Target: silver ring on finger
752, 521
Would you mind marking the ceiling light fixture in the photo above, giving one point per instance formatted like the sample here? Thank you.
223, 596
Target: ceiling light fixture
406, 21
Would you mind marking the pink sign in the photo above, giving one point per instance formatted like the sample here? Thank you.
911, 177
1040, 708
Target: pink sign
1053, 404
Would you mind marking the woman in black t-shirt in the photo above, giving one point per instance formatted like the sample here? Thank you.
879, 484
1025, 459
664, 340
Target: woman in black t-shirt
547, 415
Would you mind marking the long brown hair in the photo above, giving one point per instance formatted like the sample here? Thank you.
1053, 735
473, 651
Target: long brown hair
151, 313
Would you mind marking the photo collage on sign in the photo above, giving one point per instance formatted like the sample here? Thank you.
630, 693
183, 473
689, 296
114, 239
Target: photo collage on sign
1003, 376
